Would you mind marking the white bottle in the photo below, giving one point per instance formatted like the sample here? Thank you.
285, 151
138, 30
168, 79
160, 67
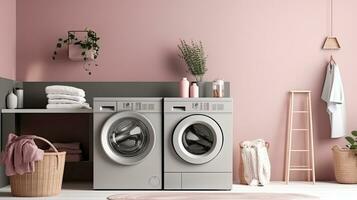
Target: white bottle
20, 97
194, 90
11, 100
184, 87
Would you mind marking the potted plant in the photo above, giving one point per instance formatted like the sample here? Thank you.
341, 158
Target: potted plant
81, 45
194, 56
345, 160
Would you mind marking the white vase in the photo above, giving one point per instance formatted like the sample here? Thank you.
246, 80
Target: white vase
11, 100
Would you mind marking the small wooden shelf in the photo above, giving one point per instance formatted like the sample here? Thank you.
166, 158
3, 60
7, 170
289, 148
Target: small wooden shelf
52, 110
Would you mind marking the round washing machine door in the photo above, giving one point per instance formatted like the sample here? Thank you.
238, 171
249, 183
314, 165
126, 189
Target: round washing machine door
127, 137
197, 139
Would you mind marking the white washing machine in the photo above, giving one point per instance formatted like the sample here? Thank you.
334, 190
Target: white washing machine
198, 143
127, 143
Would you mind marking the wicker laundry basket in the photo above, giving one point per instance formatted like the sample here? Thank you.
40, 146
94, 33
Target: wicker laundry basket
47, 178
241, 167
345, 162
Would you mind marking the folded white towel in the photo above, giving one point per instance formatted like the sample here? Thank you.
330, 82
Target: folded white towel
69, 106
62, 89
63, 101
65, 96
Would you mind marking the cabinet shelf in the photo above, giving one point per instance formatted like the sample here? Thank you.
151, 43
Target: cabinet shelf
53, 110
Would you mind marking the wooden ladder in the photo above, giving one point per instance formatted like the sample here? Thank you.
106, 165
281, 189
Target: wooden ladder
309, 143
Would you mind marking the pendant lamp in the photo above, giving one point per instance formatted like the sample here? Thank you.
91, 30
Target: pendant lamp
331, 42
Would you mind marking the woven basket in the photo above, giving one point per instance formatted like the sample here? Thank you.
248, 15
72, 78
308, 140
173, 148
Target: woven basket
241, 167
47, 178
345, 162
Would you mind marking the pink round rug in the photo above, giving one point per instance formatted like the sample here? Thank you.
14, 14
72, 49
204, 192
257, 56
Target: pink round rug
209, 196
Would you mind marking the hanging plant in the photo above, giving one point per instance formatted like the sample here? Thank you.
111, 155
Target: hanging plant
194, 56
80, 49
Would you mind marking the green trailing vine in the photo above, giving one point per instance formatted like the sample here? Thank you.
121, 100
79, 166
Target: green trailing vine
194, 56
89, 43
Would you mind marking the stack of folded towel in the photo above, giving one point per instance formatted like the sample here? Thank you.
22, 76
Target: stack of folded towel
73, 151
60, 96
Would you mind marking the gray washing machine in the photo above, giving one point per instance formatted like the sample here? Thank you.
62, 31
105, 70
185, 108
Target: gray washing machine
198, 143
127, 143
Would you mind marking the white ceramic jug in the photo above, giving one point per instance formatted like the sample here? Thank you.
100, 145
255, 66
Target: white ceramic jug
11, 100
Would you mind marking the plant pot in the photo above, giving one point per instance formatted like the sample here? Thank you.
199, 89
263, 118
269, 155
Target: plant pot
345, 163
75, 53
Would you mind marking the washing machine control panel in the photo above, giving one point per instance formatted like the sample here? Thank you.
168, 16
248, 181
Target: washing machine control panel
207, 106
201, 106
139, 106
197, 105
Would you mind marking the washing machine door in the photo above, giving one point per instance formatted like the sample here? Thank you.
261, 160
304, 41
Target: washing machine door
197, 139
127, 137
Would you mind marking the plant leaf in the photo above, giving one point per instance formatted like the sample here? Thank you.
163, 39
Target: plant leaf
354, 133
194, 56
350, 140
71, 36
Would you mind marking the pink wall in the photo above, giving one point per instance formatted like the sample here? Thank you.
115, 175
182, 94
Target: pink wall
8, 38
264, 48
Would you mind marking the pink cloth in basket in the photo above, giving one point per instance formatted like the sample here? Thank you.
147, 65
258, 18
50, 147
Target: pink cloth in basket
20, 154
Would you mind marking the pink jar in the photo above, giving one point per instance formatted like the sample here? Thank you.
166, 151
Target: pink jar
184, 87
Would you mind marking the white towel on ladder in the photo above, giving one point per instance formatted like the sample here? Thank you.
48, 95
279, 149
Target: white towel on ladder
256, 162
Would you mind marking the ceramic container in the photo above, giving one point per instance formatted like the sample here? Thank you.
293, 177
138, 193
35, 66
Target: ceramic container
11, 100
75, 53
20, 97
184, 87
194, 90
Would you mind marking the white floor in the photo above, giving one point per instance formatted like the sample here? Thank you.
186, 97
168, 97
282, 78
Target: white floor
324, 190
